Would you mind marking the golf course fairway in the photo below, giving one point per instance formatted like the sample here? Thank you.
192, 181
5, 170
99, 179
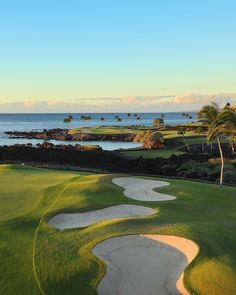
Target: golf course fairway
38, 259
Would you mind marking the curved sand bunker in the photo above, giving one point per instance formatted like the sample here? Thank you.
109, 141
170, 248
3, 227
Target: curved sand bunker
145, 264
142, 189
75, 220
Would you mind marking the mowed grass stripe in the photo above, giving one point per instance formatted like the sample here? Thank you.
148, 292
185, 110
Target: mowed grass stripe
64, 187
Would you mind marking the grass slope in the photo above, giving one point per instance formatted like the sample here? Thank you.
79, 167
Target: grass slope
55, 262
21, 188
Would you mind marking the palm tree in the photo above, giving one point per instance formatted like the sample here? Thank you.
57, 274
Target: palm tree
232, 141
158, 122
181, 131
210, 116
68, 119
228, 119
201, 130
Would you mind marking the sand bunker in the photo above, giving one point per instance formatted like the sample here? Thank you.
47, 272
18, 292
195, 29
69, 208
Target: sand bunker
75, 220
145, 264
142, 189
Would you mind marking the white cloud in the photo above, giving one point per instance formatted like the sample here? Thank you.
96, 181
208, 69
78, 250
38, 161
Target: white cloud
30, 104
200, 99
184, 102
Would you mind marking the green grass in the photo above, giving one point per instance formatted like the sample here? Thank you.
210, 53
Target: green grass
35, 257
148, 154
167, 152
21, 188
108, 130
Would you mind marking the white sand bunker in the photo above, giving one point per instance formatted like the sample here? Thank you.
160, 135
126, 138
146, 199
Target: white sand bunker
142, 189
145, 264
75, 220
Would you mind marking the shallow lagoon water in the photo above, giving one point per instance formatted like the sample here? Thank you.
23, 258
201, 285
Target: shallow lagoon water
105, 145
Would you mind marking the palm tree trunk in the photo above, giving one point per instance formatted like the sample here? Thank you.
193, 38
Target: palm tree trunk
185, 142
222, 160
232, 148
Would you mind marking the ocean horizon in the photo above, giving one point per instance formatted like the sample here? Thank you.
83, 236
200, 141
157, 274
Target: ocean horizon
41, 121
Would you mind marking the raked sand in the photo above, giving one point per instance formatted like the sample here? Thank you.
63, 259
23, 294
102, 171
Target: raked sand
142, 189
76, 220
144, 264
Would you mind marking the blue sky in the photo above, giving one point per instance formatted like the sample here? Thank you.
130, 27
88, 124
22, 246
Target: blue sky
97, 54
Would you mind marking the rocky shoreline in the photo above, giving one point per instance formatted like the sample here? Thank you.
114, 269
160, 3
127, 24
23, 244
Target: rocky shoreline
65, 135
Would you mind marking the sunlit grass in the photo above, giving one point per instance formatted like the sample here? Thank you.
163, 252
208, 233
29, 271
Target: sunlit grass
63, 261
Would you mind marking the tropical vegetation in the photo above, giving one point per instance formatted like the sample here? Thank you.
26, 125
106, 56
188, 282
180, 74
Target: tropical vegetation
219, 121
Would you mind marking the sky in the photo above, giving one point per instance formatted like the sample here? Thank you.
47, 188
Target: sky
114, 56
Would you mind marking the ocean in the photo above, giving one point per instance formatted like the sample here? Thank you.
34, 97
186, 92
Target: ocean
28, 122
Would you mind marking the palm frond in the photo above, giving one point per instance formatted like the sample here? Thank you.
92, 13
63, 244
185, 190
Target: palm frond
209, 113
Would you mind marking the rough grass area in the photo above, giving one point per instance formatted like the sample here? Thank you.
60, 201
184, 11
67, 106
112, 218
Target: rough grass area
168, 151
148, 154
37, 259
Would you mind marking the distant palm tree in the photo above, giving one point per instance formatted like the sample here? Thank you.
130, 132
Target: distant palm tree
201, 130
83, 117
232, 141
68, 119
158, 122
182, 133
210, 116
